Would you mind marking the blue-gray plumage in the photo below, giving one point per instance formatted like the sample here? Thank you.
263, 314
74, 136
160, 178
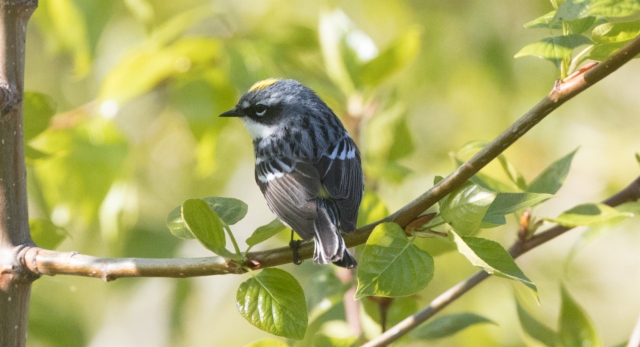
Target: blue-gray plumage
307, 165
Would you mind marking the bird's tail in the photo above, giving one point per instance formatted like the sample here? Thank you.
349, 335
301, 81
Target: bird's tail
329, 244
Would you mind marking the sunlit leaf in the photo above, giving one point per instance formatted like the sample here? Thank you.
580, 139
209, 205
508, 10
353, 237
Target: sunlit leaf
575, 327
465, 207
506, 203
398, 310
46, 234
448, 325
273, 301
615, 32
389, 263
554, 48
268, 343
574, 9
38, 110
153, 66
372, 209
552, 178
588, 215
265, 232
331, 34
322, 340
536, 330
206, 226
543, 22
603, 51
229, 211
491, 257
398, 55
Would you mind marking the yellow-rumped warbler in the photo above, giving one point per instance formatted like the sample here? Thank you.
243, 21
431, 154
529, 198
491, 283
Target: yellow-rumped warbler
307, 166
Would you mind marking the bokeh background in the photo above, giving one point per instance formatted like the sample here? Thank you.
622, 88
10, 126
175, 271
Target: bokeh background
138, 85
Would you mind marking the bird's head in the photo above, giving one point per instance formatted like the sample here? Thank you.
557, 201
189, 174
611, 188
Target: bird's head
273, 103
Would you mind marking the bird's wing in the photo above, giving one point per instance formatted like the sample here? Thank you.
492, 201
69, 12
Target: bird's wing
341, 175
290, 188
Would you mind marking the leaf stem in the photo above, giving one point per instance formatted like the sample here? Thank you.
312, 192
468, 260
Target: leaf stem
233, 240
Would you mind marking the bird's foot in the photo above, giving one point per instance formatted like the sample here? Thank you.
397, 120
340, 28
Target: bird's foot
294, 244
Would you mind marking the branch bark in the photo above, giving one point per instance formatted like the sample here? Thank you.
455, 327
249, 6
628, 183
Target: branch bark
15, 283
630, 193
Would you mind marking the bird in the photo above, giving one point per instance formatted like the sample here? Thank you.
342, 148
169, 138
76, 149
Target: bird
306, 164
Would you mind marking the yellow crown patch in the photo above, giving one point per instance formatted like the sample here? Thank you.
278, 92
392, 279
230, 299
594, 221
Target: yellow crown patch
263, 84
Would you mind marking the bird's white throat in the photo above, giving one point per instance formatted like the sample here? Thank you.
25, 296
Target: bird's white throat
257, 130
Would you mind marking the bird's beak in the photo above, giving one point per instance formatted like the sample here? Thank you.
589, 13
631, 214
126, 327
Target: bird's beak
232, 113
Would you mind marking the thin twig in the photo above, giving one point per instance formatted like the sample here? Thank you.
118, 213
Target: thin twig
56, 262
630, 193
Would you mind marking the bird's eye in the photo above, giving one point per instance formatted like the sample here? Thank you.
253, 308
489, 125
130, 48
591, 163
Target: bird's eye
261, 110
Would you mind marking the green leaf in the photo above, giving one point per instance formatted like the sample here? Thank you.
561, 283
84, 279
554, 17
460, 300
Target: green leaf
588, 215
506, 203
152, 66
372, 209
638, 158
38, 110
229, 210
402, 51
491, 257
537, 330
576, 329
552, 178
486, 181
603, 51
579, 26
543, 22
321, 340
268, 343
448, 325
399, 309
46, 234
465, 207
323, 290
206, 226
265, 232
574, 9
330, 29
554, 48
273, 301
615, 32
390, 262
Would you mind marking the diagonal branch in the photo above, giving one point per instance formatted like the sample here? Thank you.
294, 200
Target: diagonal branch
43, 262
630, 193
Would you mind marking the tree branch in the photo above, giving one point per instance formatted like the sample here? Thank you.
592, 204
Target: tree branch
630, 193
15, 282
41, 262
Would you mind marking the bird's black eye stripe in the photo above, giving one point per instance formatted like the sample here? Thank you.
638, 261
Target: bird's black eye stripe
260, 110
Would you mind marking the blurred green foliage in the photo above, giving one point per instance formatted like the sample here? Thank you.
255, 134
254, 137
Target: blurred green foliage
122, 127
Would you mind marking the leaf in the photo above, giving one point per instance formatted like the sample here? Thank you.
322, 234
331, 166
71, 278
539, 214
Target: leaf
491, 257
448, 325
46, 234
321, 340
486, 181
588, 215
323, 291
400, 53
265, 232
206, 226
537, 330
229, 210
330, 29
399, 309
603, 51
552, 178
574, 9
38, 110
554, 48
638, 158
506, 203
268, 343
390, 262
576, 329
154, 65
615, 32
273, 301
465, 207
372, 209
543, 22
